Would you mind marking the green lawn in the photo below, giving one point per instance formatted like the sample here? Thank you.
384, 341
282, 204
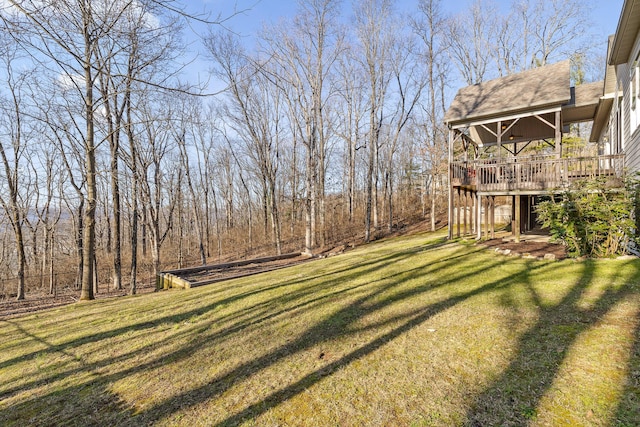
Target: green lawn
412, 331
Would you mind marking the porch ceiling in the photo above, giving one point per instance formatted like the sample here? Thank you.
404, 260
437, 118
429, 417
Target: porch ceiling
520, 129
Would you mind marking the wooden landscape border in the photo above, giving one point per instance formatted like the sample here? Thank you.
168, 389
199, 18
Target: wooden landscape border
173, 278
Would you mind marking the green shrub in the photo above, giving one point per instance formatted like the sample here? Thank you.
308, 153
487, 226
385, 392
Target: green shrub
593, 219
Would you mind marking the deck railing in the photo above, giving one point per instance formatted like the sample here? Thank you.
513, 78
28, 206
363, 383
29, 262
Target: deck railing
534, 173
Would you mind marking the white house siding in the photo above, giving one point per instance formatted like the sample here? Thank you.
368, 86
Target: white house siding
622, 74
630, 138
610, 141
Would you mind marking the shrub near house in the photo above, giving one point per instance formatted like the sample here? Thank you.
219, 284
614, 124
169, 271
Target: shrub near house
592, 219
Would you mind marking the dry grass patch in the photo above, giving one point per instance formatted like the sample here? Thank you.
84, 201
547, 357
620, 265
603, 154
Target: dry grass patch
410, 331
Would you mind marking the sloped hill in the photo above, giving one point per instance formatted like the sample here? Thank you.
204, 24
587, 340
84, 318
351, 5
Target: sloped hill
408, 331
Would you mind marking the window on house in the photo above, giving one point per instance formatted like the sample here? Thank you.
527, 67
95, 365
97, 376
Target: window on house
618, 138
634, 94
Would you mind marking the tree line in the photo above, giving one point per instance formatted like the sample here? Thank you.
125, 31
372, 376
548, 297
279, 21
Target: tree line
327, 127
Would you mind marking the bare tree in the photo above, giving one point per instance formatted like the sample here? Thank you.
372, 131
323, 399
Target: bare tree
66, 35
48, 211
373, 19
305, 53
351, 107
157, 175
409, 82
253, 112
430, 26
472, 38
484, 42
13, 144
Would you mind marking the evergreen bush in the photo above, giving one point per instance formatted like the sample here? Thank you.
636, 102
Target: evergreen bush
594, 218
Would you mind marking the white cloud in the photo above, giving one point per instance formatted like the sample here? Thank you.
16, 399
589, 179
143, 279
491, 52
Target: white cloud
135, 12
70, 81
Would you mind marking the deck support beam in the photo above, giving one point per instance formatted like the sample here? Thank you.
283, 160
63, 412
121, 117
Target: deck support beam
517, 218
486, 216
458, 213
499, 139
472, 214
558, 135
450, 213
478, 216
493, 217
465, 213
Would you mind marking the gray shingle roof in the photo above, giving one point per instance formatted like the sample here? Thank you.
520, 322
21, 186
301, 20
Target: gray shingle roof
528, 90
588, 93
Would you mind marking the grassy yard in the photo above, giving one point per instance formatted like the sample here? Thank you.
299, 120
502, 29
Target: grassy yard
412, 331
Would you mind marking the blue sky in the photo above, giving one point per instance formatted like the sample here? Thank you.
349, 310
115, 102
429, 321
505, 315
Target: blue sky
605, 14
604, 17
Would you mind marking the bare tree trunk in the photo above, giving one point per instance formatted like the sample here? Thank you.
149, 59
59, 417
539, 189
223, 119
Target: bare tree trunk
21, 260
352, 175
52, 278
275, 219
80, 243
390, 200
294, 185
180, 226
89, 241
433, 204
376, 169
134, 243
117, 221
143, 233
197, 218
11, 171
369, 183
310, 201
135, 185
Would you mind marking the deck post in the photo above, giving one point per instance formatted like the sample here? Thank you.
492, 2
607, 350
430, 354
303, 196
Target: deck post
466, 207
458, 212
450, 213
513, 215
558, 135
472, 201
493, 217
527, 211
499, 139
517, 218
486, 217
478, 215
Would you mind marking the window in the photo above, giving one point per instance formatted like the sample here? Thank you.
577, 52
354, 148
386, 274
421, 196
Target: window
619, 148
634, 94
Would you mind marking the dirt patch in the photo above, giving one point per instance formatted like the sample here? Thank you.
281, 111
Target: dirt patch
35, 301
531, 248
230, 272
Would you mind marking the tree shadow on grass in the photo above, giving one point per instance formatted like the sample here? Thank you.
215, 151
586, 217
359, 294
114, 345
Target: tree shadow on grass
327, 291
289, 297
513, 398
628, 410
81, 405
366, 267
336, 326
239, 320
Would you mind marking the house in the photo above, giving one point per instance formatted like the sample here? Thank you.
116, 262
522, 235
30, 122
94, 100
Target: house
505, 140
617, 121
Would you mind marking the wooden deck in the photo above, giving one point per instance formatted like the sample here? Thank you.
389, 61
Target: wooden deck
533, 173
